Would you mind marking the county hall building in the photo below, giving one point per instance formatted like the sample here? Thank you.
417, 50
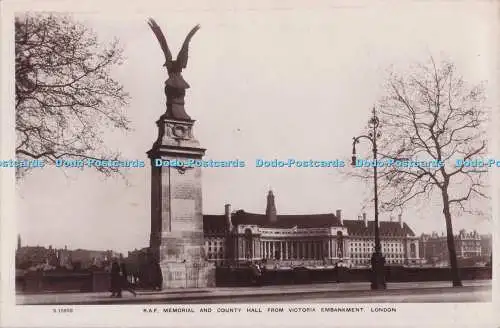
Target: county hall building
316, 240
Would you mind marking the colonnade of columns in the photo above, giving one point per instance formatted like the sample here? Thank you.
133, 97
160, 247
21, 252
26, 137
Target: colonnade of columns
299, 249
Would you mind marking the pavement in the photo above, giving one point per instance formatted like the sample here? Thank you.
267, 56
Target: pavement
290, 293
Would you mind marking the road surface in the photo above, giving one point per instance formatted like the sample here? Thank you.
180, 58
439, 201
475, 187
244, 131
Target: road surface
452, 295
473, 291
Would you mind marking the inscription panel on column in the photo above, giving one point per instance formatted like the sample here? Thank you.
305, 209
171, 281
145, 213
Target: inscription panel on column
185, 190
183, 215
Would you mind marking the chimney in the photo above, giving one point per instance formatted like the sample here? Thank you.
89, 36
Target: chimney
338, 214
364, 220
227, 214
271, 207
400, 220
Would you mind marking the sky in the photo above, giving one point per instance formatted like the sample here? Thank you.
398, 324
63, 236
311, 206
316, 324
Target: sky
266, 82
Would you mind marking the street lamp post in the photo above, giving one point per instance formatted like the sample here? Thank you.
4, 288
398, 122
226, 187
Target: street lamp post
377, 259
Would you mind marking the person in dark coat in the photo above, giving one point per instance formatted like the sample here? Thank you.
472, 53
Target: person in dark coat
256, 273
115, 279
125, 285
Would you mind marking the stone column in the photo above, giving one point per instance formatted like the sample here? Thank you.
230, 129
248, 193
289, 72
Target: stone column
406, 249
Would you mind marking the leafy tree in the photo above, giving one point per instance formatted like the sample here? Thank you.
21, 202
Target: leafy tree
65, 95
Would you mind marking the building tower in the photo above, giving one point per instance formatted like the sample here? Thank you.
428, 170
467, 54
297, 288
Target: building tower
18, 242
271, 208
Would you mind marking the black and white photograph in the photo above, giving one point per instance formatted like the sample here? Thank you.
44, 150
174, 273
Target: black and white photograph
249, 162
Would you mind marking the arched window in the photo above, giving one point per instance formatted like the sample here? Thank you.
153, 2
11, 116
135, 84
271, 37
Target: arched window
248, 244
413, 252
340, 244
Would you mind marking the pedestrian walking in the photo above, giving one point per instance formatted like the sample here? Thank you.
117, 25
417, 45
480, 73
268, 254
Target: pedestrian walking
256, 273
125, 284
157, 277
115, 279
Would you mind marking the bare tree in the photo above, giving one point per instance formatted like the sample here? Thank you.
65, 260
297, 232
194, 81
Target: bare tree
431, 116
65, 95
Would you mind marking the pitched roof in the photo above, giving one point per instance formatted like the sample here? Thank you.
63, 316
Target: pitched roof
386, 228
218, 223
287, 221
214, 223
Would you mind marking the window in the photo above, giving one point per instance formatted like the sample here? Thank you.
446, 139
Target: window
248, 239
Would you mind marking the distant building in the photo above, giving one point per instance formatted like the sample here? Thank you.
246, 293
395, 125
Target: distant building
91, 258
309, 239
399, 244
37, 257
29, 256
434, 248
486, 245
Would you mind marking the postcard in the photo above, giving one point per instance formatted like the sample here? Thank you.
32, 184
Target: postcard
271, 163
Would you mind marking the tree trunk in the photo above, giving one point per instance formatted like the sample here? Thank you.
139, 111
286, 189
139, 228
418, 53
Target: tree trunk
455, 274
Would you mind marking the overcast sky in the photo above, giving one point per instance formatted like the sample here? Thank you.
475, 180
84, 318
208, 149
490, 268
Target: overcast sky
289, 82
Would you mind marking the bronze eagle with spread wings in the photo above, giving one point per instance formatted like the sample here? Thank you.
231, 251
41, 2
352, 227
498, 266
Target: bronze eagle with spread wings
173, 66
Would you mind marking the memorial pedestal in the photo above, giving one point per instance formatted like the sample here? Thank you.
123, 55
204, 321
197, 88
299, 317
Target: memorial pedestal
176, 207
188, 275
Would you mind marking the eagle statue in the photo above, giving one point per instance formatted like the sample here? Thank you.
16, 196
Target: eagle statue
174, 67
175, 85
